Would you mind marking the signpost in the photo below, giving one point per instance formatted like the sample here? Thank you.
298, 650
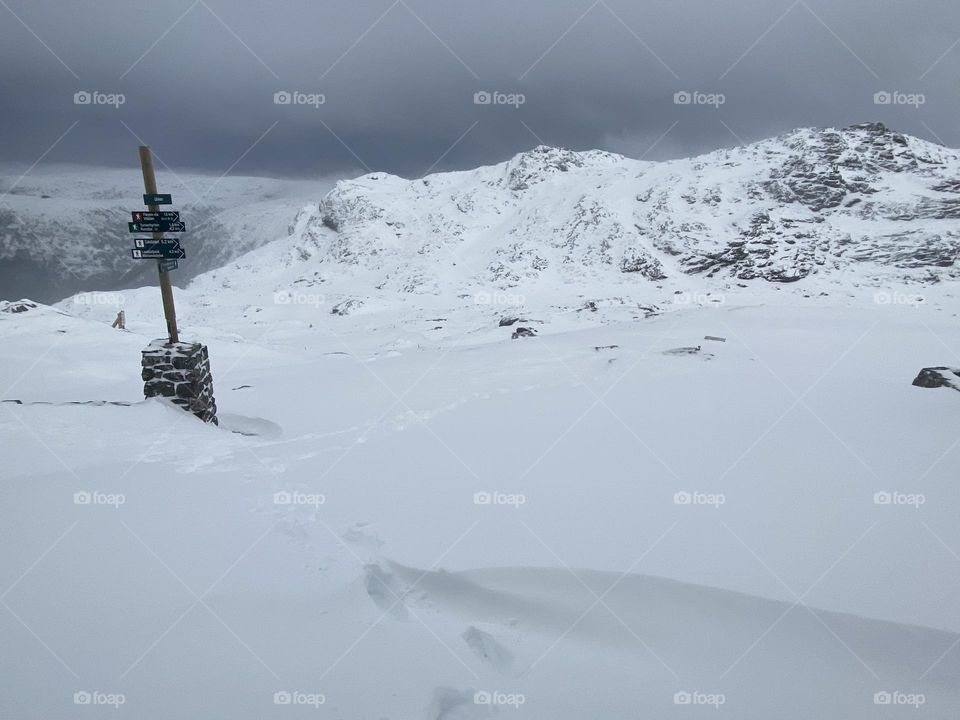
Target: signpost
165, 249
179, 371
152, 200
170, 217
160, 226
158, 252
164, 242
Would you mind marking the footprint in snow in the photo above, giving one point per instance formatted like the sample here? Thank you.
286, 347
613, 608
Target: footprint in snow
366, 543
486, 647
452, 704
386, 591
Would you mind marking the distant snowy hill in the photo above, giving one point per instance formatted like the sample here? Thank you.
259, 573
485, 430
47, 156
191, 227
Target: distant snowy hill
863, 215
63, 229
859, 205
863, 199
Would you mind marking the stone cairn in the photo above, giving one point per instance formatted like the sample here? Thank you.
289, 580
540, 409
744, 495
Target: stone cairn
181, 372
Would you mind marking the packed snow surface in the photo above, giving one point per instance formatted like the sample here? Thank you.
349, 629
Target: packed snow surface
396, 523
406, 512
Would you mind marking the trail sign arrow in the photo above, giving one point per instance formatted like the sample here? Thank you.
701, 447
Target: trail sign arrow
157, 199
159, 226
158, 252
162, 249
164, 242
141, 216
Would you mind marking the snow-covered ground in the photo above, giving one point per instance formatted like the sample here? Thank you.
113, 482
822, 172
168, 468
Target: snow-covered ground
698, 480
578, 583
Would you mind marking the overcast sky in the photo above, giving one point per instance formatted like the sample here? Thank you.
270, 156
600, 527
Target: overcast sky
398, 79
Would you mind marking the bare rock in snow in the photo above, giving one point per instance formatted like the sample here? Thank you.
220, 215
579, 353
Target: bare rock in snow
936, 377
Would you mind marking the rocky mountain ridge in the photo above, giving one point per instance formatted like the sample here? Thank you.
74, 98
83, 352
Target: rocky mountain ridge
861, 199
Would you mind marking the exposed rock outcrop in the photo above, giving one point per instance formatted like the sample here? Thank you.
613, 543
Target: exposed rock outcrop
936, 377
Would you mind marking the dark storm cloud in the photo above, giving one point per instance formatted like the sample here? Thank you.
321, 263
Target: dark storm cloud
399, 78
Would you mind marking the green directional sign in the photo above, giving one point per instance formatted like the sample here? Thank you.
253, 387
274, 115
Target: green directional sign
162, 242
168, 265
157, 199
141, 216
165, 249
159, 226
158, 252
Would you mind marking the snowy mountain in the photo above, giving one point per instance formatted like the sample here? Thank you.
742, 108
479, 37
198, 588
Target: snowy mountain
863, 215
863, 199
862, 202
63, 229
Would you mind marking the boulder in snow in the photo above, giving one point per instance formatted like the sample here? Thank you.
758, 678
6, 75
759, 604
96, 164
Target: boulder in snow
935, 377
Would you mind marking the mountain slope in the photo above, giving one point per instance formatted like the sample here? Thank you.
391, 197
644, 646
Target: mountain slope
863, 199
63, 229
862, 205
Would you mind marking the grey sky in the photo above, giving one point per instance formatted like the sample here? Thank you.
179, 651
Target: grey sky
399, 77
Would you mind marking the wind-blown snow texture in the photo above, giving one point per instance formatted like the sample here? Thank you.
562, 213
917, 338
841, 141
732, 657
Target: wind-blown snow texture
407, 514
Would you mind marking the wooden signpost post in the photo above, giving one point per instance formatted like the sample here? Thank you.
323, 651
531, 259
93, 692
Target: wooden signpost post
178, 371
166, 289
